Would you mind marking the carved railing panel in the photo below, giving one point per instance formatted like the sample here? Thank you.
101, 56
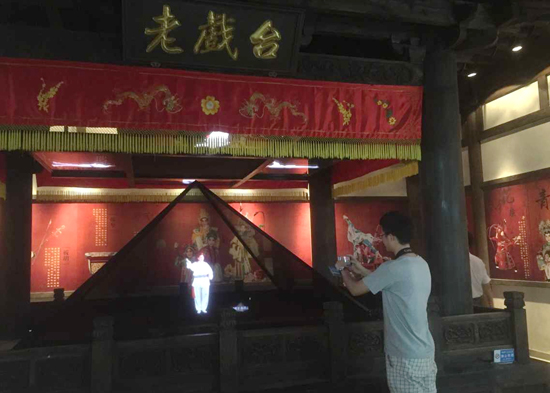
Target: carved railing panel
495, 331
187, 361
62, 373
46, 369
14, 375
477, 331
139, 364
459, 334
283, 357
365, 348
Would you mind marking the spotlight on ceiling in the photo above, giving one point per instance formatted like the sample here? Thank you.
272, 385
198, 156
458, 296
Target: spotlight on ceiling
517, 48
472, 74
278, 165
187, 181
215, 139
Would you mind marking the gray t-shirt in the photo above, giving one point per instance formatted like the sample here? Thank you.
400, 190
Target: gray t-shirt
405, 284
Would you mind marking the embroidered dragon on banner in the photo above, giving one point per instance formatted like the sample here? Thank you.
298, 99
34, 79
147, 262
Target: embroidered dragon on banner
253, 107
170, 102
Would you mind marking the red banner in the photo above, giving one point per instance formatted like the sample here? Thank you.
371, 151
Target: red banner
37, 92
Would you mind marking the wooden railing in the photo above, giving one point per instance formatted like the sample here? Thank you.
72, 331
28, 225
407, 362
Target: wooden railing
64, 368
233, 360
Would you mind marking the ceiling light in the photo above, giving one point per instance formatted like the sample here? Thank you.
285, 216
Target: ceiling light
278, 165
95, 165
517, 48
215, 139
240, 307
188, 181
472, 74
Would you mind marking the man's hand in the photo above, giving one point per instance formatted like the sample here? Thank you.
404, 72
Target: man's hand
340, 265
358, 269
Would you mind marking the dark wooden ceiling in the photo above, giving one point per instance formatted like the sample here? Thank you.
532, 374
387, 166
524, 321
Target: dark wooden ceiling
481, 32
107, 169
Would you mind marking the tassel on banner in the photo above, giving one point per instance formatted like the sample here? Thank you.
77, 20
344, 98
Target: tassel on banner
74, 195
373, 180
191, 143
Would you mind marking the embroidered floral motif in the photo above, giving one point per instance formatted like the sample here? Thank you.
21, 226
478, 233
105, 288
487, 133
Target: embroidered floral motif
251, 107
170, 103
346, 113
210, 106
44, 97
388, 111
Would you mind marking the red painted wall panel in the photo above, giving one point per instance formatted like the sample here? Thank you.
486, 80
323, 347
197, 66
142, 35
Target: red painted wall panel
64, 232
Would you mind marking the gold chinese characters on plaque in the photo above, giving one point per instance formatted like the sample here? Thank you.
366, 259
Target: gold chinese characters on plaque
167, 22
216, 35
265, 41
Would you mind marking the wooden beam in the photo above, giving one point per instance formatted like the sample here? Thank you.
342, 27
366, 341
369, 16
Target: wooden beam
128, 166
516, 125
543, 91
281, 177
517, 179
473, 127
366, 199
89, 174
260, 168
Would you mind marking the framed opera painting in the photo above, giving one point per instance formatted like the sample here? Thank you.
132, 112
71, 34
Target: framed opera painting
518, 220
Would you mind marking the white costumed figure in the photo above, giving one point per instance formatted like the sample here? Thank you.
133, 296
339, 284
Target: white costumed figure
202, 274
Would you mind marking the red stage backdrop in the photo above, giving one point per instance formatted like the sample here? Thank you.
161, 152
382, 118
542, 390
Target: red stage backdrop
39, 92
63, 233
522, 252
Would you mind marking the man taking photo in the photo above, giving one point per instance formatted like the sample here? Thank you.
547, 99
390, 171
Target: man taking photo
405, 283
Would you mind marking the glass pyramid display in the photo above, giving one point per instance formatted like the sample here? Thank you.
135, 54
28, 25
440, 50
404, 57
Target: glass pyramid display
155, 258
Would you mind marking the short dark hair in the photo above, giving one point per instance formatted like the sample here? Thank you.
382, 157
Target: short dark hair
212, 235
470, 239
397, 224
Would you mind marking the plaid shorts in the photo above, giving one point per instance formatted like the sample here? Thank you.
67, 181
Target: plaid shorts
411, 375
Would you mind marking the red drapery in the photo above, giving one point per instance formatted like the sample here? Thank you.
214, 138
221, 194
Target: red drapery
38, 92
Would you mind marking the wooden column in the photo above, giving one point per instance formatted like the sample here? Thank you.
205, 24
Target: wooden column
414, 197
515, 305
15, 265
334, 320
442, 184
323, 226
229, 352
474, 127
102, 355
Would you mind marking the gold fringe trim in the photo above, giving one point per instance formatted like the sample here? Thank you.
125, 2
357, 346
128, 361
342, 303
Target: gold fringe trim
376, 179
66, 195
2, 191
238, 145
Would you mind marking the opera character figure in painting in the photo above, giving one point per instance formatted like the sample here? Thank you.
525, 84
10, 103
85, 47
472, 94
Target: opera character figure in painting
212, 254
501, 241
199, 234
241, 268
364, 250
543, 258
184, 253
202, 274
